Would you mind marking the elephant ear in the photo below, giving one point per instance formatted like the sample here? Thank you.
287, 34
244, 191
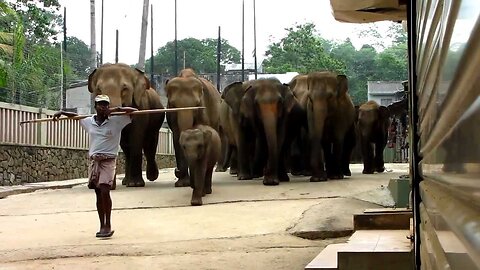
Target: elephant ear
383, 112
246, 105
92, 80
289, 99
232, 94
342, 85
141, 85
207, 137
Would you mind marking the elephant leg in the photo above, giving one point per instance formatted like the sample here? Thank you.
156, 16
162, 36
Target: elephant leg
317, 162
348, 145
136, 178
234, 160
329, 159
124, 144
208, 181
296, 157
244, 156
198, 178
181, 172
367, 156
222, 163
226, 162
336, 159
260, 157
378, 160
150, 151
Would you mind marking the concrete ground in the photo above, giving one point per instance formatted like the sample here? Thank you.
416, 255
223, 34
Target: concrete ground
242, 224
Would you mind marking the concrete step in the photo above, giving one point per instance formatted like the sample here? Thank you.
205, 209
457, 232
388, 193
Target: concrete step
382, 220
327, 259
368, 249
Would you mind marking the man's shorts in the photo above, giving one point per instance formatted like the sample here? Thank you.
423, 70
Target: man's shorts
101, 171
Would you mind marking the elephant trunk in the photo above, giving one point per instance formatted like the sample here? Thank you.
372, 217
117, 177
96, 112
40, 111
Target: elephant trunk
269, 113
319, 116
185, 120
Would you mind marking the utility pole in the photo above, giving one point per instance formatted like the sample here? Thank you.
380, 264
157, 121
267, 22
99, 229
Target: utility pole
143, 37
93, 49
151, 46
101, 38
116, 46
64, 75
175, 42
219, 52
243, 40
255, 39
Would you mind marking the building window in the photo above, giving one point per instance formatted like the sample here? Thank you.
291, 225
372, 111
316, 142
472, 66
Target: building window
385, 101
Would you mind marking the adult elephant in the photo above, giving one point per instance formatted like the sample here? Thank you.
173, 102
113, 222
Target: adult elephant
330, 118
373, 123
189, 90
263, 108
127, 86
299, 156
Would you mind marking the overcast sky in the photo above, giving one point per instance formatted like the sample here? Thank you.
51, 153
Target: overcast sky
200, 19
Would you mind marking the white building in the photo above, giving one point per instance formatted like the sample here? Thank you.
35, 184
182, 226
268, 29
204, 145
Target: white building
385, 92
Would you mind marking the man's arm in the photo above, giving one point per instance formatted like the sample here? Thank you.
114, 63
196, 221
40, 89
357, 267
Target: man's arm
67, 114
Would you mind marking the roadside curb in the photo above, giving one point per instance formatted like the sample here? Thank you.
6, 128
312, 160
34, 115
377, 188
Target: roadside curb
6, 191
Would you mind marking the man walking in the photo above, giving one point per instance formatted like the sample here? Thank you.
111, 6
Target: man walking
104, 134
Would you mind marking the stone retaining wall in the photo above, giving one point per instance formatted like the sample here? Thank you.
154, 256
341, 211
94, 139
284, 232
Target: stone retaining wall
28, 164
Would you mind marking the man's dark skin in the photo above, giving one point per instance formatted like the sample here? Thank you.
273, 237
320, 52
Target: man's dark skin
104, 201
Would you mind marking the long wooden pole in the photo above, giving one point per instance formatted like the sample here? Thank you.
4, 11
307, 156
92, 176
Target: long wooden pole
78, 117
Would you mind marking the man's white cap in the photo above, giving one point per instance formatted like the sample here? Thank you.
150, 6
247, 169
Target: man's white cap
102, 98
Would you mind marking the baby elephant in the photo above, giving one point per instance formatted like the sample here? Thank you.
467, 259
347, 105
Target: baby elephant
201, 146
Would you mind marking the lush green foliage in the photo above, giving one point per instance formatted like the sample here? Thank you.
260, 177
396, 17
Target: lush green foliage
304, 50
201, 55
30, 57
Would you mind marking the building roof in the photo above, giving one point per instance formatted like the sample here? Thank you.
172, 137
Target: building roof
384, 87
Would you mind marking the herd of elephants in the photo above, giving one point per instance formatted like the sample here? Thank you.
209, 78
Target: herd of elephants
257, 128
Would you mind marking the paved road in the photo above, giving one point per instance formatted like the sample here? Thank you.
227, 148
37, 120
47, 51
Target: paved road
242, 225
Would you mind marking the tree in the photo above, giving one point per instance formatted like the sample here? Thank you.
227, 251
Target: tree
302, 50
40, 19
200, 55
79, 55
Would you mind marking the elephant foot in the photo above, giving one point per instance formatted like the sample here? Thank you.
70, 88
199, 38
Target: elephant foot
347, 172
244, 177
380, 170
124, 181
208, 190
180, 174
367, 171
183, 182
318, 178
284, 178
336, 176
270, 181
152, 173
138, 183
233, 171
220, 169
196, 201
